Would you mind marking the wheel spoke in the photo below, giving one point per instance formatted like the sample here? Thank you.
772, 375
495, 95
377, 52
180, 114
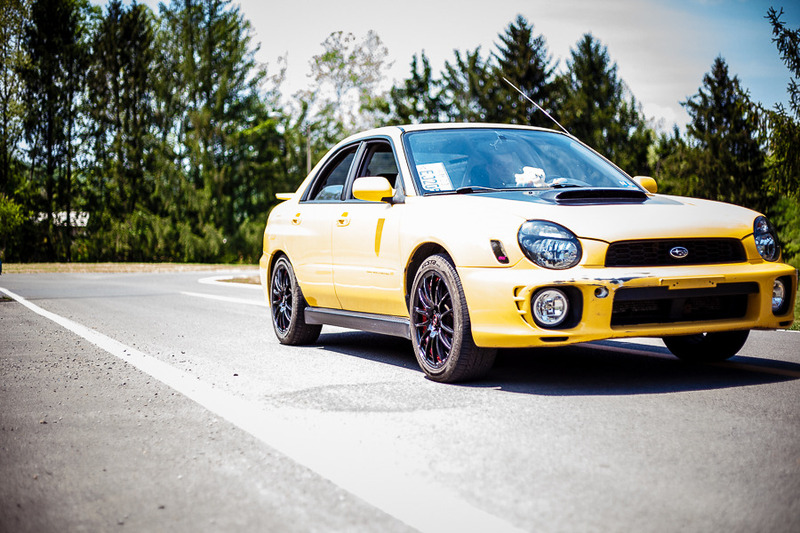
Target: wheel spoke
425, 341
432, 319
281, 299
445, 346
425, 295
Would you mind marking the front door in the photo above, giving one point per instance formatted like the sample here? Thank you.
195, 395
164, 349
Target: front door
367, 268
312, 248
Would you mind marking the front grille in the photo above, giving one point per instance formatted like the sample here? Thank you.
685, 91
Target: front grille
656, 252
660, 305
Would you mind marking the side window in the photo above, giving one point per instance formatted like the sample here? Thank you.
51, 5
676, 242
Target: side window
330, 184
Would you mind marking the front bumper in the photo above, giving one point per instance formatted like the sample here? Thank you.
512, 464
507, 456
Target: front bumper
499, 301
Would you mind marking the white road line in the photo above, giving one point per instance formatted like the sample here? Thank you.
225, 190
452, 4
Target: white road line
420, 503
231, 299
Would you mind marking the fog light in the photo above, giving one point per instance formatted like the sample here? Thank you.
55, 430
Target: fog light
550, 308
778, 296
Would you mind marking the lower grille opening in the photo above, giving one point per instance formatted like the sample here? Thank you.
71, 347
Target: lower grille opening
659, 305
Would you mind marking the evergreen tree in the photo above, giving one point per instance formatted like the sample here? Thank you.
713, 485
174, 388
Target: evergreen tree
120, 103
782, 137
784, 124
524, 60
54, 83
13, 14
673, 163
464, 87
598, 109
419, 97
207, 93
723, 127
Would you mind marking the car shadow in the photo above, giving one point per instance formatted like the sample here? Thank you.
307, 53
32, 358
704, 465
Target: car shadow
592, 369
615, 368
371, 346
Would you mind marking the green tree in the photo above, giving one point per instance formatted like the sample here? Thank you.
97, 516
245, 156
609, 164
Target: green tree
673, 164
120, 103
55, 42
524, 60
207, 93
783, 136
418, 99
11, 218
729, 164
598, 109
13, 14
464, 86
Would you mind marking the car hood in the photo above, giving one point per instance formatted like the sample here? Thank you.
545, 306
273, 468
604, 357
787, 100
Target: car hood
609, 219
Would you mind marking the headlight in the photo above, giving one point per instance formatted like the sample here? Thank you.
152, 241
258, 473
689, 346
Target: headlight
549, 245
766, 239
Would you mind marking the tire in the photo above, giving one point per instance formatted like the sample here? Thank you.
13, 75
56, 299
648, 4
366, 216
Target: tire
440, 325
707, 347
287, 307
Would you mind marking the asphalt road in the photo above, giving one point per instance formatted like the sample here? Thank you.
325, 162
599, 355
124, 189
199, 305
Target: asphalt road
155, 402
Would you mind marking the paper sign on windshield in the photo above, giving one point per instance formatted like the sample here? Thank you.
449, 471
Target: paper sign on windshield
434, 177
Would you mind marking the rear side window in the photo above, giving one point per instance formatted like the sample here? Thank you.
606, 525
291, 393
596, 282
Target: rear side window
329, 185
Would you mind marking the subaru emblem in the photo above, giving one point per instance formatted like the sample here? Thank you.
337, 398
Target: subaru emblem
679, 252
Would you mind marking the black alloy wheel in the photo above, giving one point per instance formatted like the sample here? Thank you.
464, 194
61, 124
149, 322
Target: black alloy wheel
434, 319
287, 307
440, 325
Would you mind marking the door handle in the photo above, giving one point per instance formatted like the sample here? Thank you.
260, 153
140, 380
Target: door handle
296, 219
343, 220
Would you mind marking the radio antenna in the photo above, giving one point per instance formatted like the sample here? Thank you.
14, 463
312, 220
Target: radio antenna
540, 108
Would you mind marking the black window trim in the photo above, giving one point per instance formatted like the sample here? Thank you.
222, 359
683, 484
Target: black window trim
366, 144
333, 160
362, 147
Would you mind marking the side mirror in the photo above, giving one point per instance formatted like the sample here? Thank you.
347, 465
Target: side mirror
647, 183
373, 189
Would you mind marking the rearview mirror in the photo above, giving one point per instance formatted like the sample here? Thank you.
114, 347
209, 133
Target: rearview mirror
373, 189
647, 183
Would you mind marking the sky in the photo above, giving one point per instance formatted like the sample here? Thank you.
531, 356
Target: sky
662, 48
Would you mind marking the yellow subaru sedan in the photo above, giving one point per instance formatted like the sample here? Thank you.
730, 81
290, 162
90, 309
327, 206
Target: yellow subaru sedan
466, 238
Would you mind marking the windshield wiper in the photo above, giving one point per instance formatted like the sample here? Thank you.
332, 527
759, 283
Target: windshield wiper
474, 188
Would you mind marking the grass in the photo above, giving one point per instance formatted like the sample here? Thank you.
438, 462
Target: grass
796, 325
252, 280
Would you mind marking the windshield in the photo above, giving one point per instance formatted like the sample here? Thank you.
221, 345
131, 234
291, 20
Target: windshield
479, 158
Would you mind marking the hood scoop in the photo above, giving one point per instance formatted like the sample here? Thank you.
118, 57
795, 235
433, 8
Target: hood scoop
594, 196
